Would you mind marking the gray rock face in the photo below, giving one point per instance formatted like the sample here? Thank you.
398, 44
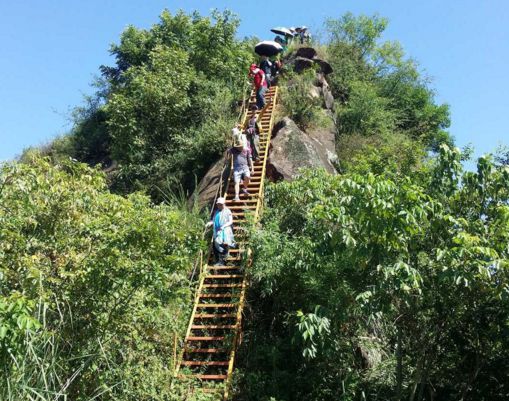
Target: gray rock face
325, 91
293, 149
207, 187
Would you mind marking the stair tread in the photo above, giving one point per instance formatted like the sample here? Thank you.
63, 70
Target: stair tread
212, 326
222, 285
206, 377
206, 350
229, 295
205, 363
214, 315
205, 338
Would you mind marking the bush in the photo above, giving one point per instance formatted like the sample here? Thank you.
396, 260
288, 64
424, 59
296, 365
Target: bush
298, 101
93, 286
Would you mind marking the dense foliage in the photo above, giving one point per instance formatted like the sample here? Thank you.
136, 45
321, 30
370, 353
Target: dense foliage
382, 98
162, 113
389, 282
93, 286
368, 287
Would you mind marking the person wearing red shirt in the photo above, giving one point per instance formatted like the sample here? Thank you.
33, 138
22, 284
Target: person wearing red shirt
260, 84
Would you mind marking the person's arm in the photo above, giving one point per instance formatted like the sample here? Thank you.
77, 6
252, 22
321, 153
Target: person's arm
210, 223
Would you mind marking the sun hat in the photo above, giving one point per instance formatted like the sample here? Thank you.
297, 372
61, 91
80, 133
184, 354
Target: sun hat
220, 201
238, 142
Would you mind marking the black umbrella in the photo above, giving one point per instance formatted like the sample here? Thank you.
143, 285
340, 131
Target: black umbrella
268, 48
282, 31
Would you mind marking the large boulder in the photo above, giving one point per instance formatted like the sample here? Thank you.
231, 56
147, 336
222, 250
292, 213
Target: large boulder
207, 188
301, 63
293, 149
324, 139
325, 67
306, 52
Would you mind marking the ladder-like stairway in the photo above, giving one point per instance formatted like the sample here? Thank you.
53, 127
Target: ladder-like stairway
215, 328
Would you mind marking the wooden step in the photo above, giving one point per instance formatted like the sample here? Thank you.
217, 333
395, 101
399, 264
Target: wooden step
212, 327
205, 351
216, 306
224, 276
219, 295
214, 315
205, 363
224, 267
208, 338
236, 250
204, 377
222, 285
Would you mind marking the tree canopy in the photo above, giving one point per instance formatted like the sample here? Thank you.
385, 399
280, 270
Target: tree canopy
391, 288
93, 286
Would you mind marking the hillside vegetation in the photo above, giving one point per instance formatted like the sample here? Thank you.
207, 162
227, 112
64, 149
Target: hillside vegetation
388, 281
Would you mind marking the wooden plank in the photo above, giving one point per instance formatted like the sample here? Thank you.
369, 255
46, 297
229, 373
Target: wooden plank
204, 363
214, 315
229, 295
222, 285
214, 306
208, 338
205, 350
213, 327
205, 377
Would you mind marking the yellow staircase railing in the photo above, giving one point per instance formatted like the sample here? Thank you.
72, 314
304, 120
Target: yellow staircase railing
215, 327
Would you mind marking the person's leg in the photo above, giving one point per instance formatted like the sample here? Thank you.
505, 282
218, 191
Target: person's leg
256, 147
260, 101
236, 180
226, 253
245, 181
263, 89
219, 253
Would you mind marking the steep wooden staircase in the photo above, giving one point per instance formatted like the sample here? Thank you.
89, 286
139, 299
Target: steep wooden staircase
214, 331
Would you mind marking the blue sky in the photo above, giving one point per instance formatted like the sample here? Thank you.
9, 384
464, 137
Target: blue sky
51, 49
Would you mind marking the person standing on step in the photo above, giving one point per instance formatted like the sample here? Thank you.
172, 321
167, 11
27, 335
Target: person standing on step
266, 67
223, 232
242, 167
260, 84
237, 133
253, 135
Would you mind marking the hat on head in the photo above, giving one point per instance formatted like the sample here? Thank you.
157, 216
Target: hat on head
220, 201
238, 142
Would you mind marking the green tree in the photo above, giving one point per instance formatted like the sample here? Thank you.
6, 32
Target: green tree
410, 273
93, 286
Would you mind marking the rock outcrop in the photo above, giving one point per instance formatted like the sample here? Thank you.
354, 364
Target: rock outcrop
307, 57
207, 187
293, 149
